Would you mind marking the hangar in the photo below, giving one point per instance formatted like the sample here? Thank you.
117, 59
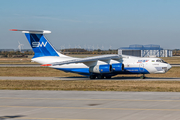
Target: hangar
150, 50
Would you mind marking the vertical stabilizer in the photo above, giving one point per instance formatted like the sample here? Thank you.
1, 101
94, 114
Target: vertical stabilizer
40, 45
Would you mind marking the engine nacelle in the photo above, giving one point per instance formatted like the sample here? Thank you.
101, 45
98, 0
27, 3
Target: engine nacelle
117, 67
100, 69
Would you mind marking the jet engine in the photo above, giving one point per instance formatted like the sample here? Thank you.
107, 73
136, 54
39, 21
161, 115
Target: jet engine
100, 69
117, 67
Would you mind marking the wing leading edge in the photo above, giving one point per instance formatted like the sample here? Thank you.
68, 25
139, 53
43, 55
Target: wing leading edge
89, 59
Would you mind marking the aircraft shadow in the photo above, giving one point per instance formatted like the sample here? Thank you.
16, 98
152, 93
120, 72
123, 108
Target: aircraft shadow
10, 117
119, 78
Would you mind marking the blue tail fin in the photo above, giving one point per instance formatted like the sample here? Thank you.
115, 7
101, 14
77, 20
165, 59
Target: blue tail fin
39, 43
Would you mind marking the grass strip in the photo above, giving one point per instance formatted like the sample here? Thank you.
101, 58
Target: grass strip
34, 71
174, 72
92, 85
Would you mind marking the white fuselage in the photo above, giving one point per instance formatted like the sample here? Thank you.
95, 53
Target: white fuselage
132, 65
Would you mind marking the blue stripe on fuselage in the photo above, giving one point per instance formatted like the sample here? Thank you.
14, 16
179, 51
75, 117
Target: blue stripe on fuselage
134, 70
75, 70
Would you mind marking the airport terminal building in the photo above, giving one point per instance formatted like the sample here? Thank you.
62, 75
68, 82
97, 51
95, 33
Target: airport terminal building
145, 51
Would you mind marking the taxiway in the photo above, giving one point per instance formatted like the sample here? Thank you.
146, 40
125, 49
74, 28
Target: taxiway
88, 105
86, 78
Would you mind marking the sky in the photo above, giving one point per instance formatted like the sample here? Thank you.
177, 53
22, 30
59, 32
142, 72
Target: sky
94, 24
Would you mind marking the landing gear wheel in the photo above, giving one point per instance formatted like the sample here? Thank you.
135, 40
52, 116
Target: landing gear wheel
100, 77
143, 76
92, 77
108, 77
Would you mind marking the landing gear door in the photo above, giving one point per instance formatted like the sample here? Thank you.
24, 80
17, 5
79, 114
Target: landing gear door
141, 67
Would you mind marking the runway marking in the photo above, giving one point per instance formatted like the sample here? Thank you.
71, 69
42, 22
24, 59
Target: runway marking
71, 99
93, 108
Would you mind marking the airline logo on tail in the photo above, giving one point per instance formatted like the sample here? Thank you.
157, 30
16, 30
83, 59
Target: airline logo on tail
38, 44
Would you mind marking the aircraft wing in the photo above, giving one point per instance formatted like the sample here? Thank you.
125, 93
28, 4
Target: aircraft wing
89, 59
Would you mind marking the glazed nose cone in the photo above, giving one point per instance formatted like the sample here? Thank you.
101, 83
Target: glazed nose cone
169, 66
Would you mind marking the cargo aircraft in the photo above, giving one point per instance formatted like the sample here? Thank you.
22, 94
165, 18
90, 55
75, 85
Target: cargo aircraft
104, 66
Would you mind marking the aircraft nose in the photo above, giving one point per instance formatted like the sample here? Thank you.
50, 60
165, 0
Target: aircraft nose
169, 66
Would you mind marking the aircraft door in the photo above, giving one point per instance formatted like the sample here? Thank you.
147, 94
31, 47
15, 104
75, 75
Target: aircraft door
141, 67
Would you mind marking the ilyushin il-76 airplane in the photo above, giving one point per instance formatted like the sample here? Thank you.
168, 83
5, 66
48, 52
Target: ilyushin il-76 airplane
104, 66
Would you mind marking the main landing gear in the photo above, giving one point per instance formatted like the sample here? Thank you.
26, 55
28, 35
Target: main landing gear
99, 77
92, 77
143, 76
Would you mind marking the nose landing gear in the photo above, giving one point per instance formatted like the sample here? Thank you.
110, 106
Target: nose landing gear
143, 76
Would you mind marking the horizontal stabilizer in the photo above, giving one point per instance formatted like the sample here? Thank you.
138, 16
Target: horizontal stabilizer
33, 31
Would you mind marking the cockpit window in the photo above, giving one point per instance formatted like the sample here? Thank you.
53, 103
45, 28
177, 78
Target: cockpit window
164, 61
160, 60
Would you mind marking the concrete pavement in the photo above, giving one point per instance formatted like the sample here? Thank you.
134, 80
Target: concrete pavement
88, 105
